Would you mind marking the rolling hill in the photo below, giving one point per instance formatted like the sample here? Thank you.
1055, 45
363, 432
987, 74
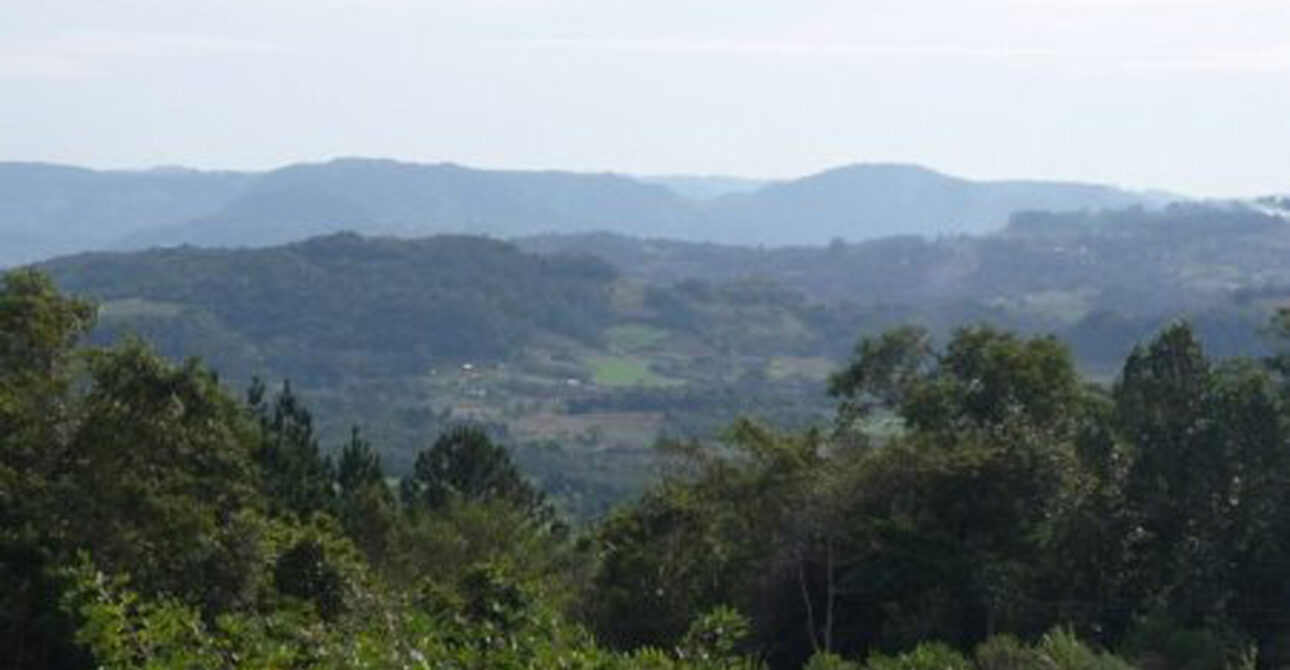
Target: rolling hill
582, 363
406, 337
51, 210
48, 210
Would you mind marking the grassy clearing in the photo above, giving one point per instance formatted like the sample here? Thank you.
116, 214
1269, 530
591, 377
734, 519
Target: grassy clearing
627, 371
602, 429
634, 337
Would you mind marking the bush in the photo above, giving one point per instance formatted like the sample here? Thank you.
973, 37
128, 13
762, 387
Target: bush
926, 656
1005, 652
1159, 642
825, 661
1061, 650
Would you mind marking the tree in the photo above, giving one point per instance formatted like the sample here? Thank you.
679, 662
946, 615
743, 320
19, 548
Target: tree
303, 571
359, 466
880, 375
163, 484
736, 526
986, 377
39, 330
297, 478
1179, 471
982, 377
365, 504
465, 465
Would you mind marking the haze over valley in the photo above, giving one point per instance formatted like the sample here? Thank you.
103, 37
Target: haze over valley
645, 335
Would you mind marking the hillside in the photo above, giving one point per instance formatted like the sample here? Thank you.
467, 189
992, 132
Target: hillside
393, 303
860, 202
1104, 280
52, 210
1174, 259
406, 337
390, 198
550, 346
977, 487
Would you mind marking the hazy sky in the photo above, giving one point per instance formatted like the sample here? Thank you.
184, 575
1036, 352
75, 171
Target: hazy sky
1183, 94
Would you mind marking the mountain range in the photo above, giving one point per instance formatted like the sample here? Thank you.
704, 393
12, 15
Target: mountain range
49, 210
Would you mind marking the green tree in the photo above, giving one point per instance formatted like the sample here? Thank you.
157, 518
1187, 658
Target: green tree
982, 377
732, 526
881, 373
464, 464
365, 503
359, 465
298, 479
986, 377
163, 485
39, 330
1180, 471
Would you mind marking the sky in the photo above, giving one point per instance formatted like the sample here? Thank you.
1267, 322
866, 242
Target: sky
1185, 95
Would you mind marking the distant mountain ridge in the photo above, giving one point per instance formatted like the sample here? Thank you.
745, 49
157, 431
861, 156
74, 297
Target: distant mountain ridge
897, 199
705, 187
48, 210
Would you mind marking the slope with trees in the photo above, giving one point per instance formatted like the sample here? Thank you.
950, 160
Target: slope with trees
1013, 515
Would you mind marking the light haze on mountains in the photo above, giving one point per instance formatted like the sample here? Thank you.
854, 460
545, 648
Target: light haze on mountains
1187, 95
48, 210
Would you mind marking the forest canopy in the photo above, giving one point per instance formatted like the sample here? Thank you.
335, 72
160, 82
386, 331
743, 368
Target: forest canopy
975, 503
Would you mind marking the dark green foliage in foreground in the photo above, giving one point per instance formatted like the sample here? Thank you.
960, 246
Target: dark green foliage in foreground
151, 521
240, 544
1014, 498
464, 465
295, 472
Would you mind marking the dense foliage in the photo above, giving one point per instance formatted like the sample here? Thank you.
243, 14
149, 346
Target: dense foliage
975, 504
408, 338
455, 298
1011, 497
1103, 279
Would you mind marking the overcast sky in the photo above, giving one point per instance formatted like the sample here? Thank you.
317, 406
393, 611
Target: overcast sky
1187, 95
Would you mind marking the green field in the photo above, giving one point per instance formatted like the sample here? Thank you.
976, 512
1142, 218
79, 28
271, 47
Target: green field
634, 337
627, 371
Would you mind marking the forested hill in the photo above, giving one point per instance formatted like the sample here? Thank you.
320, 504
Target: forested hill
409, 336
1084, 274
1010, 516
47, 210
313, 305
668, 338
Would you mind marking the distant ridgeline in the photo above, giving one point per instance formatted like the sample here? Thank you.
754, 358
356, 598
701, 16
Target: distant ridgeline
1182, 220
50, 210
